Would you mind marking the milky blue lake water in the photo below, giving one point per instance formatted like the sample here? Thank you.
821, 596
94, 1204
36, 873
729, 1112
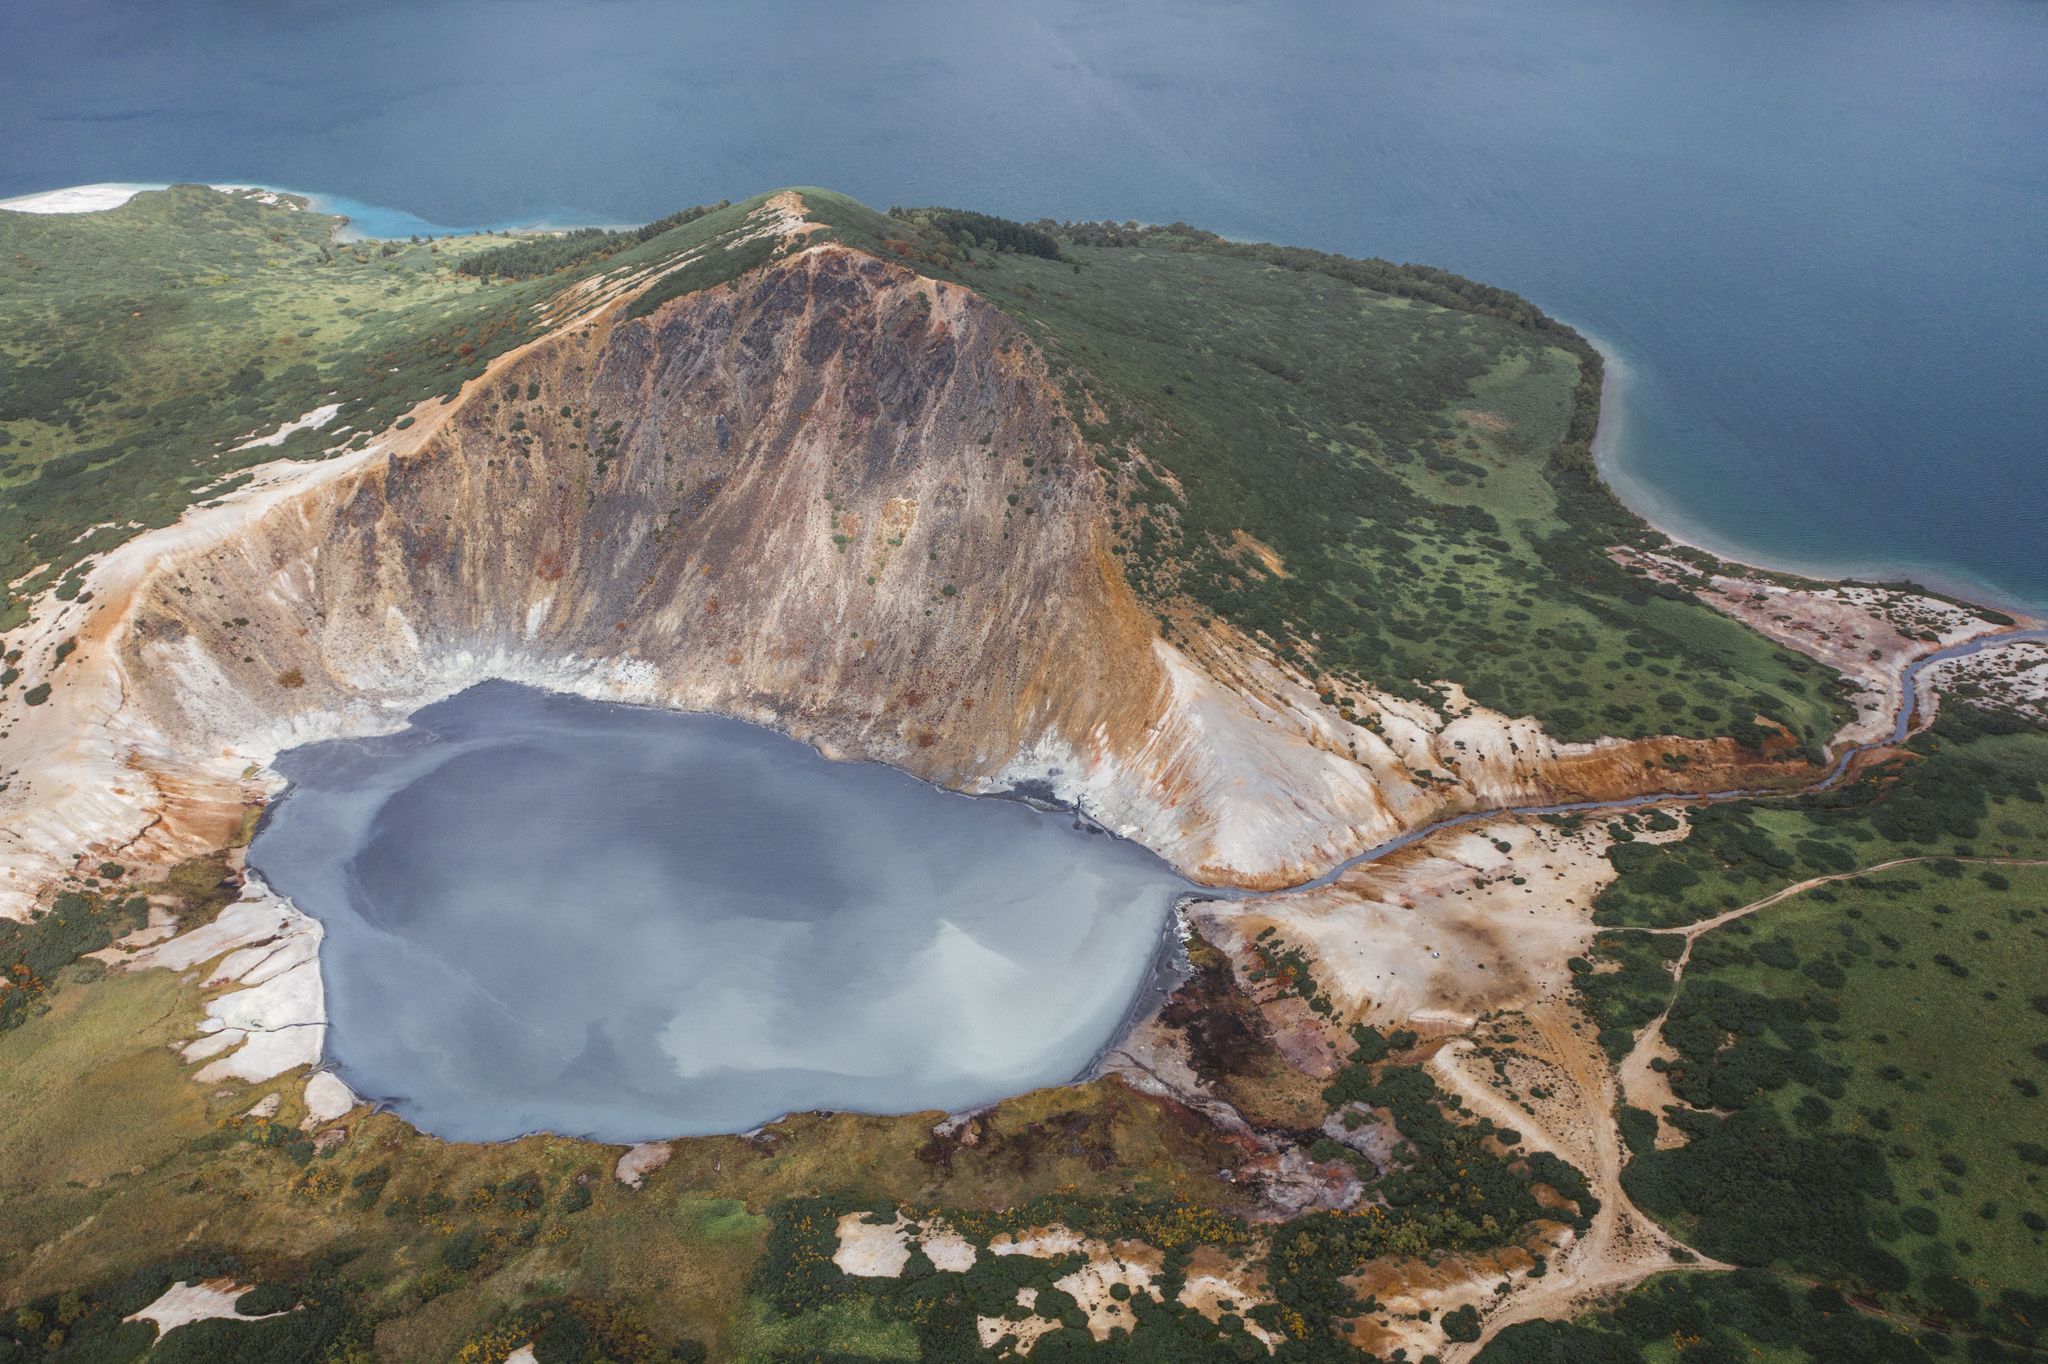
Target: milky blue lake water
549, 914
1812, 231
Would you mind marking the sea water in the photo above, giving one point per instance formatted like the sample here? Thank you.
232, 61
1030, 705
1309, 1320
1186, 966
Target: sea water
1810, 232
544, 913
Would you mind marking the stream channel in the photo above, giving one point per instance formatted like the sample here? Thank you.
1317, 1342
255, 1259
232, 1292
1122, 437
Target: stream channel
545, 913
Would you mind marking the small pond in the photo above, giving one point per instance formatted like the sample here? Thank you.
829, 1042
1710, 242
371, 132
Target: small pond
545, 913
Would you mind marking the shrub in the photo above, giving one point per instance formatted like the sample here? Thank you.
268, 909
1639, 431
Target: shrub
1950, 1295
1557, 1342
288, 1339
1761, 1194
565, 1340
265, 1299
369, 1187
465, 1250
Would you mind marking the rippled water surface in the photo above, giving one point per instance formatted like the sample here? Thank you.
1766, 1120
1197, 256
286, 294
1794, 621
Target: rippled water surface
1812, 231
544, 913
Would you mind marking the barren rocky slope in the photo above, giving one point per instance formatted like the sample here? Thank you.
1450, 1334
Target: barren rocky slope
835, 497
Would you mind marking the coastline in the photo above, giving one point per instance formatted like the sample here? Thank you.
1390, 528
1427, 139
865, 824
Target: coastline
370, 222
360, 221
1610, 439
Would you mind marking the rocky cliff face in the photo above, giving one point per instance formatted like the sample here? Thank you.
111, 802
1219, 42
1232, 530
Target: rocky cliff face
836, 498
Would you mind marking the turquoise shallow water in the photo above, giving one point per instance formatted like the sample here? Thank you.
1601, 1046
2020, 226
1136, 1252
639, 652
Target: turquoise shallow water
1811, 232
548, 914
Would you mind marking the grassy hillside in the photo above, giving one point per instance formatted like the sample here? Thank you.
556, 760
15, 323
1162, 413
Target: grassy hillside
1381, 469
1891, 1014
143, 343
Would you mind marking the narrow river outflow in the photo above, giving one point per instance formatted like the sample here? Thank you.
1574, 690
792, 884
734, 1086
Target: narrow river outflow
1908, 705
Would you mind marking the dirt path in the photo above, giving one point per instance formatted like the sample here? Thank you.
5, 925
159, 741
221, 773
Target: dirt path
1641, 1085
1624, 1247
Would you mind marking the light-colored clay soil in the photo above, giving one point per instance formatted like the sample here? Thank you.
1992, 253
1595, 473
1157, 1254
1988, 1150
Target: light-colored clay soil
1871, 635
182, 1304
641, 1161
2013, 675
1434, 934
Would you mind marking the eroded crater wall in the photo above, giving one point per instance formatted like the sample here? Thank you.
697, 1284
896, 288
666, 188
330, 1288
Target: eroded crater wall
802, 500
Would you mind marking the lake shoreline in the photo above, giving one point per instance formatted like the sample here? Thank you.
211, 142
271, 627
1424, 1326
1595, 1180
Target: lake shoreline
1641, 497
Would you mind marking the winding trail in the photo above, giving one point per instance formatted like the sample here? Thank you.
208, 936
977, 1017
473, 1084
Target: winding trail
1909, 705
1624, 1246
1635, 1071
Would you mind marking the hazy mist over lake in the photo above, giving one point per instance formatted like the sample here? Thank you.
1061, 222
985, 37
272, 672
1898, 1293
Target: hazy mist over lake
546, 913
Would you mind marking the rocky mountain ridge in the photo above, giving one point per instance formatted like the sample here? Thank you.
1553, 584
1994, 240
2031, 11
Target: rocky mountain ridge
833, 496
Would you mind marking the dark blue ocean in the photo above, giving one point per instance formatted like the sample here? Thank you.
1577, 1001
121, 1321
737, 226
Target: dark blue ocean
1811, 230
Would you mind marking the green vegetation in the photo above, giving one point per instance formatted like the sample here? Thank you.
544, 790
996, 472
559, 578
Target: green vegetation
554, 253
32, 953
87, 1327
931, 1314
144, 343
1622, 1001
1454, 1186
1724, 1319
1404, 449
1410, 446
981, 230
1973, 788
1379, 469
1880, 1048
466, 1248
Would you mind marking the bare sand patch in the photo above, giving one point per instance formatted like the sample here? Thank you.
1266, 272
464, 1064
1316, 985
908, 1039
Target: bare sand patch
868, 1251
1870, 634
641, 1161
184, 1303
1436, 933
